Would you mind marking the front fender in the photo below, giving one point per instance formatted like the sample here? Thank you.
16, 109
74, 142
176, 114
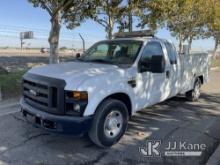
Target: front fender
97, 91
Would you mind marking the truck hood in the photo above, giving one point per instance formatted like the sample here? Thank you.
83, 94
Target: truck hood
74, 72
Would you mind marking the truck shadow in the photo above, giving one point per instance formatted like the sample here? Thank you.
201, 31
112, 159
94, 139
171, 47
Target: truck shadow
207, 106
167, 120
173, 111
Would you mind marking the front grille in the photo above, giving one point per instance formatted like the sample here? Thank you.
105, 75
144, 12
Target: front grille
44, 93
36, 93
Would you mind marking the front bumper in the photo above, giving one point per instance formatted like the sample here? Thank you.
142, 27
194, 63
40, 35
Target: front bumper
56, 123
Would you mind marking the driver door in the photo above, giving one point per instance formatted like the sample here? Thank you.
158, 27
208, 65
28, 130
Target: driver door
155, 85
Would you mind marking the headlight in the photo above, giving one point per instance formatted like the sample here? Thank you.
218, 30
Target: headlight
75, 102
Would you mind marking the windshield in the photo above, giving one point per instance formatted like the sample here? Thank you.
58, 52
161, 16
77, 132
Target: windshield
113, 52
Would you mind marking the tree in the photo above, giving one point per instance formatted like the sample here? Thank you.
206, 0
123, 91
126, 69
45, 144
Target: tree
108, 11
70, 12
185, 19
169, 14
196, 17
213, 24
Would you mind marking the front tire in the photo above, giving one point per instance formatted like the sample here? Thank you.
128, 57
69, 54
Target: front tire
194, 94
109, 123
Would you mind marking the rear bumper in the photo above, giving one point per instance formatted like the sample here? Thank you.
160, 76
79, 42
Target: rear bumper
56, 123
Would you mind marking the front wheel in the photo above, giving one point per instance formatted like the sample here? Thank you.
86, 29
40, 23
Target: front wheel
194, 94
109, 123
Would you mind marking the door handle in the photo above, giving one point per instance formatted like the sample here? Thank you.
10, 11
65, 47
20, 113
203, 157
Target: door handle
132, 82
168, 74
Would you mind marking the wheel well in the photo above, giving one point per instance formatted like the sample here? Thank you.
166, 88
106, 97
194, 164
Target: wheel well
124, 98
201, 79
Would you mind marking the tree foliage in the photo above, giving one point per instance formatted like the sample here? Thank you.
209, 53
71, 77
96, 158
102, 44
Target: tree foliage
153, 13
185, 19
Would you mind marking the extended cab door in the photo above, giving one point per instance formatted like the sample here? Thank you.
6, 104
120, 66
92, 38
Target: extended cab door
173, 69
155, 85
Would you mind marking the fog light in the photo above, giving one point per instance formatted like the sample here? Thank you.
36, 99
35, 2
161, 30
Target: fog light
76, 107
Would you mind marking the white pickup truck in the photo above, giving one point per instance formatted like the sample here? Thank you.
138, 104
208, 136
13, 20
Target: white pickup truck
98, 92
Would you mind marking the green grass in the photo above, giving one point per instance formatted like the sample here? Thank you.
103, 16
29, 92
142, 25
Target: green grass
215, 62
10, 83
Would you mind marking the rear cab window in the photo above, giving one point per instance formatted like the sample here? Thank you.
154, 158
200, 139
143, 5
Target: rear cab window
171, 53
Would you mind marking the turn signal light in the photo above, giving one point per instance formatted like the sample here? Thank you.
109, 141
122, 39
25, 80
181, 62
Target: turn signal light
80, 95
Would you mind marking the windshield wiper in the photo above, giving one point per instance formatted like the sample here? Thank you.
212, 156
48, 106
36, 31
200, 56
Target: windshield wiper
79, 59
100, 61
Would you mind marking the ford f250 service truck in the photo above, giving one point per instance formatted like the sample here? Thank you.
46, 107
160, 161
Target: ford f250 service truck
98, 92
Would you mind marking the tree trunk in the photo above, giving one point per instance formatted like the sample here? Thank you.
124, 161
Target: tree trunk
130, 22
54, 39
216, 47
180, 44
110, 28
190, 43
110, 32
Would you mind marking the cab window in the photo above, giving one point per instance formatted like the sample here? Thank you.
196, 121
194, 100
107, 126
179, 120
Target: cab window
171, 53
152, 48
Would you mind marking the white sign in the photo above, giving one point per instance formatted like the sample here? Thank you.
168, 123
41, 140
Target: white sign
27, 35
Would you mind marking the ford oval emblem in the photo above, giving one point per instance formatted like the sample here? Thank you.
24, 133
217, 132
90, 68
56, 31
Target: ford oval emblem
32, 92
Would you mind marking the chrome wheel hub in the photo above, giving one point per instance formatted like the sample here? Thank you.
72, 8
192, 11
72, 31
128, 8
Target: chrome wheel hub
113, 124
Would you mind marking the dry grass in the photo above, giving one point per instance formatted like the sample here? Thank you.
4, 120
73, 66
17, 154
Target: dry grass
215, 62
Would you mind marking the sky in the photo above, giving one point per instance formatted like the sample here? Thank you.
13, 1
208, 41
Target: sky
19, 15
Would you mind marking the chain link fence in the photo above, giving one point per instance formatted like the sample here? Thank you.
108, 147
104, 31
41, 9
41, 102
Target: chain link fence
35, 51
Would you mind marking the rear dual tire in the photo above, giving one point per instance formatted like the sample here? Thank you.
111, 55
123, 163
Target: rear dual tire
109, 123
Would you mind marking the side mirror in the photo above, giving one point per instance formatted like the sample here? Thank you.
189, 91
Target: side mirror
144, 65
173, 62
77, 55
157, 64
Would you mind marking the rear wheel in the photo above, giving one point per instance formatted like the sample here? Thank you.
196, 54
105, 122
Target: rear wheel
194, 94
110, 123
